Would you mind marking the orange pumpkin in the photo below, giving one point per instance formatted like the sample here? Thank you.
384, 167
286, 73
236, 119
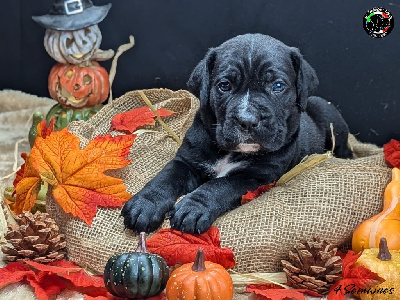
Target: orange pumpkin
79, 86
385, 224
200, 280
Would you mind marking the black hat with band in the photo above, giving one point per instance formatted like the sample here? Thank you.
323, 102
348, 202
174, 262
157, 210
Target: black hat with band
73, 15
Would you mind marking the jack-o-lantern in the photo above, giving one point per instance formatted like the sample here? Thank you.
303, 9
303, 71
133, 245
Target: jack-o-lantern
73, 46
79, 86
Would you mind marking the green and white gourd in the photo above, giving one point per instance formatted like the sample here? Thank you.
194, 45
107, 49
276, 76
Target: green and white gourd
136, 275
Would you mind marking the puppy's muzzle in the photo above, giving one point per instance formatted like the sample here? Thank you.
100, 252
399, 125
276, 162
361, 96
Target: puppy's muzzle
248, 148
247, 121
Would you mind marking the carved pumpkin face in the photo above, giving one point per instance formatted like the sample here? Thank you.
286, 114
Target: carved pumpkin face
72, 47
79, 86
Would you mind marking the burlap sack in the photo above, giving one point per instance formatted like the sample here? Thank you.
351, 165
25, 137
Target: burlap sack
327, 200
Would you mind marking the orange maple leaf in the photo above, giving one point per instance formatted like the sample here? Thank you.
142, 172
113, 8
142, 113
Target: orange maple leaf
138, 117
76, 176
42, 131
27, 186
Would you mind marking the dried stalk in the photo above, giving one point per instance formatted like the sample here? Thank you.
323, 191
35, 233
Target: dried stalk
150, 105
238, 278
113, 70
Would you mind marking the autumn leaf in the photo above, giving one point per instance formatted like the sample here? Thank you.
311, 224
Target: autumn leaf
76, 176
27, 186
179, 248
353, 278
14, 272
20, 173
392, 153
44, 130
138, 117
27, 191
275, 292
51, 284
260, 190
76, 275
50, 280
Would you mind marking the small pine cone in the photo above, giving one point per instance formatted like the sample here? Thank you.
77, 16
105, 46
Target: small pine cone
35, 237
313, 266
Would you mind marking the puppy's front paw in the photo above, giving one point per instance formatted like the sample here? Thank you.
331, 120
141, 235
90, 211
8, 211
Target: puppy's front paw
191, 216
141, 214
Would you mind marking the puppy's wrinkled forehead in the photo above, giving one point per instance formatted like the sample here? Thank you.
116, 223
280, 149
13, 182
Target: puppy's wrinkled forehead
254, 55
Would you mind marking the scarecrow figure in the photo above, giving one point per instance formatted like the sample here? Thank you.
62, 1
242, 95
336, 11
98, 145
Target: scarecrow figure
72, 34
73, 39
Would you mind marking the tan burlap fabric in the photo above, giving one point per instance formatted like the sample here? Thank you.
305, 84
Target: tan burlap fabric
327, 200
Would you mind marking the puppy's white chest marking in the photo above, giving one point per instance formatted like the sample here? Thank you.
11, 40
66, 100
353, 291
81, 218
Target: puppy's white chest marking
222, 167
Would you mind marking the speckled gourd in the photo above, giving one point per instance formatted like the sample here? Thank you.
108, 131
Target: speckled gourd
136, 275
200, 280
387, 265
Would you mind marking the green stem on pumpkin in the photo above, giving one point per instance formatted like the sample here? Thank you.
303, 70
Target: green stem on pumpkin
384, 253
142, 243
198, 264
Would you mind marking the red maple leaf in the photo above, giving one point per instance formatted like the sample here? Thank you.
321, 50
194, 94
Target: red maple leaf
20, 172
68, 270
138, 117
14, 272
392, 153
180, 248
260, 190
275, 292
43, 130
353, 278
49, 280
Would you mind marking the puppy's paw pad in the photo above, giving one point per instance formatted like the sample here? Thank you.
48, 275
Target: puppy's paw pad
141, 214
191, 217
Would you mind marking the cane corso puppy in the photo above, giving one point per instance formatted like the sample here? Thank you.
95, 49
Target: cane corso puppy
256, 121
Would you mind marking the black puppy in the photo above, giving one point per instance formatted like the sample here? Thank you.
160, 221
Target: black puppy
256, 121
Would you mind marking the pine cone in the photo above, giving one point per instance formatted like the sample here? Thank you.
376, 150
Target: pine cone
36, 237
313, 265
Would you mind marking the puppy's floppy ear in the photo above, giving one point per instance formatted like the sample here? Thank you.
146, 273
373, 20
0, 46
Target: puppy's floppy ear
306, 78
199, 80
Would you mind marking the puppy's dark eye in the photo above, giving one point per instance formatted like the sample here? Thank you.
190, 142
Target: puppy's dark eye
224, 86
278, 87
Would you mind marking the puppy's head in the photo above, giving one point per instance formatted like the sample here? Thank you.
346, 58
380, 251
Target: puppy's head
256, 87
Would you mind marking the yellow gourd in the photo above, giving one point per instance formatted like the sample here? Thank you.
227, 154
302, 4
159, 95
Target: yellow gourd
385, 224
387, 265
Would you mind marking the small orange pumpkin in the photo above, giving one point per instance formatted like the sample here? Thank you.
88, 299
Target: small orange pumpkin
79, 86
200, 280
385, 224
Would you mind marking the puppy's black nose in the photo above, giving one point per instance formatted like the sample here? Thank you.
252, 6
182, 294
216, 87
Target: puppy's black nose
247, 121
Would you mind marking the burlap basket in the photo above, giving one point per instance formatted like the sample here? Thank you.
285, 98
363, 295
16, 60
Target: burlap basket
327, 200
